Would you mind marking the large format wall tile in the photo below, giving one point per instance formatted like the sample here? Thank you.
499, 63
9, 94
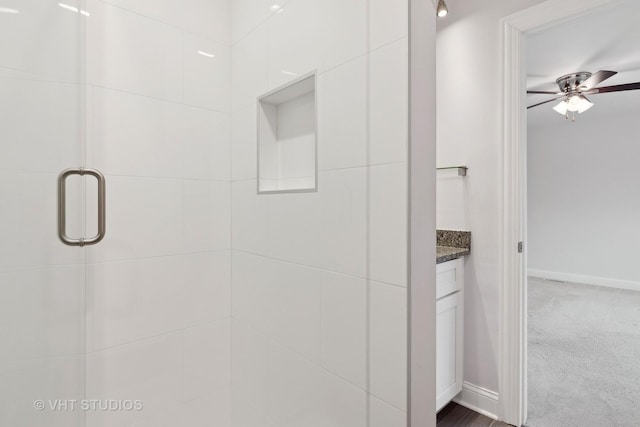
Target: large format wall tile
207, 359
249, 218
249, 69
316, 313
27, 380
133, 300
388, 21
139, 136
246, 15
207, 73
389, 103
388, 216
342, 116
275, 386
42, 39
382, 414
130, 52
42, 312
29, 204
326, 229
151, 217
39, 125
388, 344
244, 143
149, 370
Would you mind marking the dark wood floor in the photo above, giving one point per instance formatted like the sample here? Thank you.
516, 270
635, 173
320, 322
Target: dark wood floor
454, 415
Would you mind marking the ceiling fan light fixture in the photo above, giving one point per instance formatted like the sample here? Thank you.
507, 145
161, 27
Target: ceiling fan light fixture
584, 105
562, 108
575, 103
442, 9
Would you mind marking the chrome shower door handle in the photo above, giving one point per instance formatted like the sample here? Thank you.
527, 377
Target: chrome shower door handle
62, 207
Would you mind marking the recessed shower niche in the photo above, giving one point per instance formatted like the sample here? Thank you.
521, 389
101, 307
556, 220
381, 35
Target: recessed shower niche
287, 137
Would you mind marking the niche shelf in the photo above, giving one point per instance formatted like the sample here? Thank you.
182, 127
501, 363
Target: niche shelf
287, 138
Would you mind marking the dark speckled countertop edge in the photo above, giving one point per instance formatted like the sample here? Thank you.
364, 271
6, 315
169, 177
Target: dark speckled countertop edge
452, 245
448, 253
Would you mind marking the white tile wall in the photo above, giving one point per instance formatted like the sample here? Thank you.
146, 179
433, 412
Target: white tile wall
159, 285
384, 415
42, 40
207, 359
387, 21
388, 216
244, 151
27, 380
134, 300
304, 264
342, 116
344, 326
149, 370
207, 18
139, 136
130, 52
25, 197
389, 104
327, 229
42, 313
316, 313
388, 344
161, 121
249, 69
246, 15
249, 211
39, 125
207, 80
300, 393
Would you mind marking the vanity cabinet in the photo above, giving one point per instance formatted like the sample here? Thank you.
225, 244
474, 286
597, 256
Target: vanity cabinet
449, 330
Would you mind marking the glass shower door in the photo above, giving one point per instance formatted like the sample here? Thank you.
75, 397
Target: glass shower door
42, 295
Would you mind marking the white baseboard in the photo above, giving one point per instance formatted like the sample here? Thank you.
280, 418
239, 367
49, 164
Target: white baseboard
478, 399
585, 280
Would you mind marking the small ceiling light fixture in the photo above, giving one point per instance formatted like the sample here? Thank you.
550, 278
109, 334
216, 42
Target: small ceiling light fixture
9, 10
572, 104
442, 10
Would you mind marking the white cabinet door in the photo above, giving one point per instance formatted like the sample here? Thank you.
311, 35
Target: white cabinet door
449, 333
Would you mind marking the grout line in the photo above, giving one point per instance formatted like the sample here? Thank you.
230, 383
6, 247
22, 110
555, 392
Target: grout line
320, 171
368, 208
317, 364
317, 268
178, 331
157, 98
168, 24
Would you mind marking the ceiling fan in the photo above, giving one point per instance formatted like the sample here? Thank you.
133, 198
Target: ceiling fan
574, 88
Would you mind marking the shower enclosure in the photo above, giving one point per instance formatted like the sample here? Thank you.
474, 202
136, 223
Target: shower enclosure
207, 302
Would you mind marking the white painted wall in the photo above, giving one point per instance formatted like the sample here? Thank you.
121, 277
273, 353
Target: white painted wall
320, 278
469, 133
584, 199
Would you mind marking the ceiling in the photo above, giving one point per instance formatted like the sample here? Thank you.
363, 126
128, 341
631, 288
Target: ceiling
607, 39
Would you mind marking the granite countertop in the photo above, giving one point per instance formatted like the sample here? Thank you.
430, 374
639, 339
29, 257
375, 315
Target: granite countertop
452, 245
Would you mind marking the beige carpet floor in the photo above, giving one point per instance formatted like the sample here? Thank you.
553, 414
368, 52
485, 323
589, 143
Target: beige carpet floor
584, 356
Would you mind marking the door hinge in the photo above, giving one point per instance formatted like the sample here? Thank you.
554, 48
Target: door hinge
520, 247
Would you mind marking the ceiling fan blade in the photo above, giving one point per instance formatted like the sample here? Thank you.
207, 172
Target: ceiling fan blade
543, 92
546, 102
616, 88
597, 78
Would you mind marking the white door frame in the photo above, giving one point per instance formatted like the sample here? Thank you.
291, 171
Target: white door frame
513, 318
